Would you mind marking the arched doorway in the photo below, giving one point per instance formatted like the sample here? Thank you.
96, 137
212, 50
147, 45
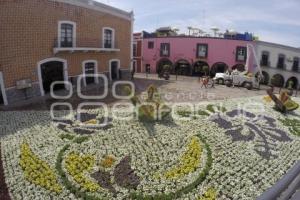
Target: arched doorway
277, 80
51, 70
198, 69
3, 98
114, 67
183, 67
164, 62
266, 78
239, 67
219, 67
90, 70
292, 82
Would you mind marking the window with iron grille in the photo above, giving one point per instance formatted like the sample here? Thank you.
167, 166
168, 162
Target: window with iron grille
241, 54
66, 32
264, 58
296, 64
165, 49
108, 38
202, 51
134, 50
281, 61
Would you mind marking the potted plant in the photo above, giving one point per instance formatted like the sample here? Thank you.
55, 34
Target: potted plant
290, 86
205, 70
166, 72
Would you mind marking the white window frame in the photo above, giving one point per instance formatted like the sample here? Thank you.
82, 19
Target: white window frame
118, 69
134, 65
96, 70
136, 46
113, 37
3, 89
59, 33
65, 72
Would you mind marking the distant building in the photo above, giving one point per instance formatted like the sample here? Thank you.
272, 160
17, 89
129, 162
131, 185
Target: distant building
279, 63
137, 51
187, 55
43, 41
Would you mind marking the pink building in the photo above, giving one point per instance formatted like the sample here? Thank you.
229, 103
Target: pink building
187, 55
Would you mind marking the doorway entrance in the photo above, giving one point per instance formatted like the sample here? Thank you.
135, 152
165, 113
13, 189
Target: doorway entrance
52, 71
219, 67
114, 69
1, 96
200, 68
163, 63
90, 71
183, 67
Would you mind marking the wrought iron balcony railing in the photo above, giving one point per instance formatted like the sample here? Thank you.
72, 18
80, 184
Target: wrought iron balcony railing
281, 66
84, 44
265, 63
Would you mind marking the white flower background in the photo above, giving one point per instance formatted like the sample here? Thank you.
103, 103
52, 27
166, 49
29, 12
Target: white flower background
237, 172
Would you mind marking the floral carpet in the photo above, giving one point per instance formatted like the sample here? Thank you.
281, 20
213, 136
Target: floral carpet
227, 150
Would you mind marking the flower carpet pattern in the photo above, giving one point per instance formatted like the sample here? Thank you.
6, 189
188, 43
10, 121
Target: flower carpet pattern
224, 153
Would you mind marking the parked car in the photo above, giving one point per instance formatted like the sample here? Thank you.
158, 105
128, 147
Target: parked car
219, 78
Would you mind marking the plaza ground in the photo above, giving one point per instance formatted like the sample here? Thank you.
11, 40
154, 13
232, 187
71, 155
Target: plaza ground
177, 89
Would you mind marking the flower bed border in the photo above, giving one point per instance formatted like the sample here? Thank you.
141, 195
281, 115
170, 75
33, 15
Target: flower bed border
186, 189
4, 193
67, 184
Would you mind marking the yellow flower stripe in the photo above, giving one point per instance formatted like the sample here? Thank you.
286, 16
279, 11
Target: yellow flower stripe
77, 165
38, 171
210, 194
189, 162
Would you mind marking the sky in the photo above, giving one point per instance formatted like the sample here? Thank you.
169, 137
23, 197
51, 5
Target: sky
275, 21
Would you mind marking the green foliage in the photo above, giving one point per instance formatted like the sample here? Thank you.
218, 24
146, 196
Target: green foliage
186, 189
166, 68
187, 113
149, 112
211, 108
277, 81
184, 113
205, 69
66, 136
292, 124
203, 113
290, 84
152, 90
80, 140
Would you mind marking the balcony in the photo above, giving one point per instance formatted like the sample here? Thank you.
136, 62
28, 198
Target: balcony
265, 63
281, 65
84, 45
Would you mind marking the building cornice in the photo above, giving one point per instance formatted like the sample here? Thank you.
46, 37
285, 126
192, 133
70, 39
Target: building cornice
97, 6
270, 44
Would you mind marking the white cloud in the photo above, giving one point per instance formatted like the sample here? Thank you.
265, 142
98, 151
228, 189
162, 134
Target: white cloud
261, 17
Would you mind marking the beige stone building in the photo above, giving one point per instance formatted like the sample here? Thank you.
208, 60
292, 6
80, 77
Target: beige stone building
43, 41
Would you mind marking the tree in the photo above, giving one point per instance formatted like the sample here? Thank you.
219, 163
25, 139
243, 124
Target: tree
205, 70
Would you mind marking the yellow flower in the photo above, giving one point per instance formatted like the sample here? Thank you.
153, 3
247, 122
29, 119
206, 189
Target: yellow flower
37, 171
77, 166
189, 161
